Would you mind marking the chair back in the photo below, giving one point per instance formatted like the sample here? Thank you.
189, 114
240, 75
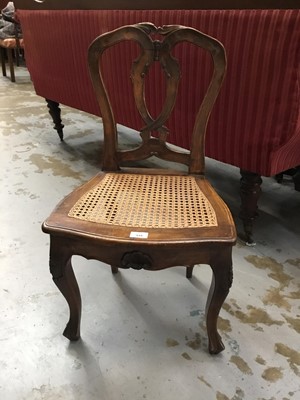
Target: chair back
156, 45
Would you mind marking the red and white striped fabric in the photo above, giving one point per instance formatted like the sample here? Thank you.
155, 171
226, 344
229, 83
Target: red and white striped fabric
255, 124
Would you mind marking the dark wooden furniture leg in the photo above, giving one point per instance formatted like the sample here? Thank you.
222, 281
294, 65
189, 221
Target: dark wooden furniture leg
296, 179
64, 278
221, 283
294, 173
3, 54
250, 189
189, 271
55, 113
17, 56
11, 64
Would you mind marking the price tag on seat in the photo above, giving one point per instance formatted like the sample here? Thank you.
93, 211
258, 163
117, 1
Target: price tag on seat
139, 235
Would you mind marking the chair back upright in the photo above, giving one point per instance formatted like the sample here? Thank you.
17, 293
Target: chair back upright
156, 45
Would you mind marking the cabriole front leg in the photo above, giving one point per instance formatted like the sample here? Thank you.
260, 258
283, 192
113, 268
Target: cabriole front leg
220, 285
64, 278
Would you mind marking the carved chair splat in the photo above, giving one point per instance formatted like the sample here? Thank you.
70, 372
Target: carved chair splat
147, 218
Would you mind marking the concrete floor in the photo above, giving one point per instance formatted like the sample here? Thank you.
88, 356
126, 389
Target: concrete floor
143, 334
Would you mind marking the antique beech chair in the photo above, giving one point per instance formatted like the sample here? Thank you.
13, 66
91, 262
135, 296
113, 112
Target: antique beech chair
147, 218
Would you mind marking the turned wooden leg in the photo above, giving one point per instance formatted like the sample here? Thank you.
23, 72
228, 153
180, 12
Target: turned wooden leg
250, 190
64, 278
189, 271
55, 113
221, 283
3, 54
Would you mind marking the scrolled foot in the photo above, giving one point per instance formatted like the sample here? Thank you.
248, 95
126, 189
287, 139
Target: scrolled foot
215, 344
220, 285
71, 332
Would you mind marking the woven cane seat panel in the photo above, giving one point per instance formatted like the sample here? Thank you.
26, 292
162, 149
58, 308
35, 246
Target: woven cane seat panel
146, 201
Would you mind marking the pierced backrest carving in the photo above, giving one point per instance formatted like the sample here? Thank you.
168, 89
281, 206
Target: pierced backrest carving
156, 45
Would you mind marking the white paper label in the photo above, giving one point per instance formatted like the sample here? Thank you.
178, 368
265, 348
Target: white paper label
139, 235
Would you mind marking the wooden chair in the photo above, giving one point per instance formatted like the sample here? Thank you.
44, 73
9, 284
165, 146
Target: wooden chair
147, 218
11, 49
